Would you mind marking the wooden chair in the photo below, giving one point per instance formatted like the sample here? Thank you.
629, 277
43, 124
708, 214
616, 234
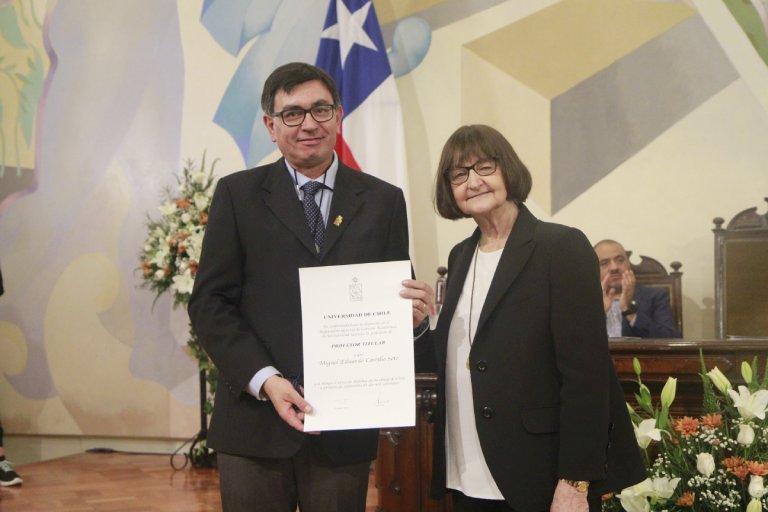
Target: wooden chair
650, 272
741, 275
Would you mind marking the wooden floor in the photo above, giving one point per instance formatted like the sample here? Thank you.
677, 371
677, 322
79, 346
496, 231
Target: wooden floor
117, 483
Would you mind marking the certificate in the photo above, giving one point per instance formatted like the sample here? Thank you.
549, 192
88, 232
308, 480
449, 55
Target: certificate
358, 346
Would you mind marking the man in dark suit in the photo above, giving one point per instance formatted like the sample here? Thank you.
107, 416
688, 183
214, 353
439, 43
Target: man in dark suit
631, 309
306, 209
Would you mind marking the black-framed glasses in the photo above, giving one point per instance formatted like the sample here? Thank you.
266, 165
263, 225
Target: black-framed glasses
460, 174
294, 116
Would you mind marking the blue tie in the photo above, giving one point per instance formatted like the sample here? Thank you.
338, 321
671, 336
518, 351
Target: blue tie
313, 213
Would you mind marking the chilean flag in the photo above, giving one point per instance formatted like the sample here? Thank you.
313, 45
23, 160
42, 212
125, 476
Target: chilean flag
352, 51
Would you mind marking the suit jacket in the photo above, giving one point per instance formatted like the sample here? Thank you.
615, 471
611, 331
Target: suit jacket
245, 306
547, 401
654, 315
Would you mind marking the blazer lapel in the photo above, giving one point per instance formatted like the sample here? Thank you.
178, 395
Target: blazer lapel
346, 202
285, 204
516, 252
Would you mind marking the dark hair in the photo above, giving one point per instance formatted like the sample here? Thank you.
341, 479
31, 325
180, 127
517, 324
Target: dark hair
288, 76
479, 141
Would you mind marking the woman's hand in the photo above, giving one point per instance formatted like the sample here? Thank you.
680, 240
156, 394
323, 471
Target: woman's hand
422, 297
568, 499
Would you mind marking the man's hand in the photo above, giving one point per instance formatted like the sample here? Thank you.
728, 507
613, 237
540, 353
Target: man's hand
627, 289
423, 298
609, 294
288, 403
568, 499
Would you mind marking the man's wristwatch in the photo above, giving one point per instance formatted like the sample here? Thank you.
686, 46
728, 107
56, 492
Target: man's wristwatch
579, 485
631, 309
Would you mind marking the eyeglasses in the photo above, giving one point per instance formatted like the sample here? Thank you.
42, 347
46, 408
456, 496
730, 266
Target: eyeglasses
294, 116
460, 174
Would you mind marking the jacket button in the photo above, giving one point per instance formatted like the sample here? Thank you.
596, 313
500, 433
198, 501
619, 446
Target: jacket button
487, 412
481, 366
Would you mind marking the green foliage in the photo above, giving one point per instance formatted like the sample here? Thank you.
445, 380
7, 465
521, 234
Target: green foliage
710, 402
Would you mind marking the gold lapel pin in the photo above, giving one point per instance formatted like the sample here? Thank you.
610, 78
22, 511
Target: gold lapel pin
338, 220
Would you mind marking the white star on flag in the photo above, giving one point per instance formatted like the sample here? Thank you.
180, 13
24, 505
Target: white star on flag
348, 30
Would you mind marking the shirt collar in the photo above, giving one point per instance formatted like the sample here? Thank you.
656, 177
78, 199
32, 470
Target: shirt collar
330, 174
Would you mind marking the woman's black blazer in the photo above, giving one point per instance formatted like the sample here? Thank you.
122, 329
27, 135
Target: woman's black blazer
547, 401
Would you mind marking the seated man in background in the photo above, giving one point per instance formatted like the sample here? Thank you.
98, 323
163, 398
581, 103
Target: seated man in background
631, 309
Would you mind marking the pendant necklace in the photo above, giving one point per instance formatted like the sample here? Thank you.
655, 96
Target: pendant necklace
472, 301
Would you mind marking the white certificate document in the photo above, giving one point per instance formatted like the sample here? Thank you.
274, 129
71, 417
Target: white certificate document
358, 346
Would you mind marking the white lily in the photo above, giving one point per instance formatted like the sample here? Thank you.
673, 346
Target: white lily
183, 283
167, 208
647, 432
664, 488
668, 392
635, 498
750, 405
720, 381
746, 372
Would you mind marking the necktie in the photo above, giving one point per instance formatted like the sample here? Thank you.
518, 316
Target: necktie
614, 320
312, 212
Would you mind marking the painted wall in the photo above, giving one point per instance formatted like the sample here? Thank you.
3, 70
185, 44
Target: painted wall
640, 120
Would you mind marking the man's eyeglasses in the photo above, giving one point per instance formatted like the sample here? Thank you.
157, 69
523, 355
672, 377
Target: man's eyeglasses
294, 116
483, 167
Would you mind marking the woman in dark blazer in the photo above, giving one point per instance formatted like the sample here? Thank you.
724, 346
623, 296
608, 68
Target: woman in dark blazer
530, 416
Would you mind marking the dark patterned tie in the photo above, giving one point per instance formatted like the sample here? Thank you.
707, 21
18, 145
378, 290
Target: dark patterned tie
312, 212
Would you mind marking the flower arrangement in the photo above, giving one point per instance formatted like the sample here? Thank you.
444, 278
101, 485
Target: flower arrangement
717, 462
171, 251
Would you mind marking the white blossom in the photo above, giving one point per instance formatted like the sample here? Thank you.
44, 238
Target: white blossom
183, 283
750, 405
756, 487
647, 431
705, 464
167, 208
746, 435
720, 381
201, 201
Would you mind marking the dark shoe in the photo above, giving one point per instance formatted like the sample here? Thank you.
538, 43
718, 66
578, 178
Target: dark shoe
8, 476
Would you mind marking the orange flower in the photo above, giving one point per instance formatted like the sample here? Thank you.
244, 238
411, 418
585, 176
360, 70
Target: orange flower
757, 468
740, 471
606, 497
183, 203
203, 218
686, 500
732, 462
687, 426
193, 268
712, 420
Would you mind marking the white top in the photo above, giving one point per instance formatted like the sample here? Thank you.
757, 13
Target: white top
466, 470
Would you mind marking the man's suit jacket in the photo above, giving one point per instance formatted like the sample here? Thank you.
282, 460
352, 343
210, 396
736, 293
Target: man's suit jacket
547, 401
654, 315
245, 307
